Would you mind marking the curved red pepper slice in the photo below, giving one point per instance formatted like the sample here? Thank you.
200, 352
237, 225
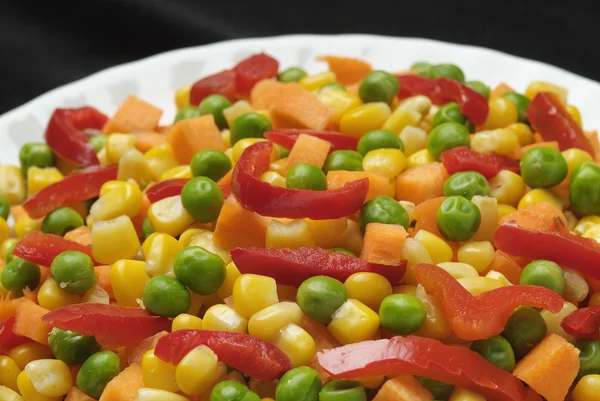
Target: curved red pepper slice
583, 323
549, 117
291, 266
166, 189
76, 187
476, 318
253, 357
412, 85
578, 253
252, 70
462, 158
287, 137
65, 137
41, 248
8, 338
113, 326
422, 356
268, 200
221, 83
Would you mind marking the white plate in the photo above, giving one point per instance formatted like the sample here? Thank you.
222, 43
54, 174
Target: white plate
156, 78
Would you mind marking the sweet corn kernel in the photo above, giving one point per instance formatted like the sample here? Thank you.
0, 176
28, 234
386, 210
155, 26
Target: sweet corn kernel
231, 275
368, 288
502, 113
161, 158
24, 353
574, 158
365, 118
169, 216
28, 391
419, 158
133, 165
297, 344
426, 125
575, 114
436, 325
505, 210
27, 225
594, 299
401, 118
415, 252
50, 377
12, 184
7, 244
223, 318
315, 81
237, 109
158, 373
267, 323
585, 223
459, 270
493, 274
128, 279
184, 171
587, 389
419, 103
478, 254
160, 251
539, 195
117, 145
51, 296
280, 166
186, 237
326, 233
114, 239
479, 285
9, 371
538, 86
205, 240
488, 208
292, 234
553, 320
593, 232
124, 200
413, 138
507, 187
96, 295
4, 234
40, 178
576, 287
571, 220
273, 178
198, 370
186, 322
405, 289
437, 248
371, 382
502, 141
102, 158
154, 394
242, 144
339, 101
182, 96
196, 303
385, 162
8, 394
252, 293
462, 394
353, 322
523, 132
226, 137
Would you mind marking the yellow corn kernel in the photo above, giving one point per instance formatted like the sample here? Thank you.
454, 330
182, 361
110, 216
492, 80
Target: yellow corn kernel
273, 178
479, 285
8, 394
27, 225
437, 248
371, 382
114, 184
50, 377
538, 86
237, 109
352, 238
571, 220
502, 141
326, 233
280, 166
413, 138
198, 370
419, 103
252, 293
196, 303
385, 162
169, 216
267, 399
160, 251
158, 373
502, 113
24, 353
133, 165
267, 323
114, 239
125, 200
226, 137
12, 184
594, 299
426, 125
505, 210
186, 321
368, 288
154, 394
184, 171
3, 291
576, 287
40, 178
28, 391
410, 209
419, 158
507, 187
575, 114
459, 269
539, 195
523, 132
574, 158
8, 243
462, 394
339, 101
488, 207
592, 232
478, 254
161, 158
4, 234
223, 318
493, 274
186, 237
553, 320
436, 325
205, 240
117, 145
51, 296
297, 344
96, 295
585, 223
587, 389
315, 81
353, 322
365, 118
292, 234
128, 279
401, 118
231, 275
102, 158
415, 252
405, 289
242, 144
182, 96
9, 371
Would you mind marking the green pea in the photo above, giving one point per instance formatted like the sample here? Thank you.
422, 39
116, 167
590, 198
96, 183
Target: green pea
74, 271
61, 221
448, 71
215, 104
250, 125
584, 190
382, 209
402, 313
543, 167
213, 164
98, 142
466, 184
166, 296
292, 74
306, 176
299, 384
496, 350
230, 390
423, 69
524, 330
200, 270
335, 85
520, 102
341, 250
147, 228
319, 297
4, 208
440, 390
544, 273
343, 390
97, 371
379, 139
379, 86
35, 154
10, 244
187, 112
449, 112
458, 218
203, 199
283, 152
20, 274
347, 160
480, 87
70, 347
447, 136
589, 357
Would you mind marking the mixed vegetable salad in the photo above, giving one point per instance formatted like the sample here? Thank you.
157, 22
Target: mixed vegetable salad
351, 235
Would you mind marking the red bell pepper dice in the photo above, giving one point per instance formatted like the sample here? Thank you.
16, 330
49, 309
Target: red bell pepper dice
76, 187
462, 158
578, 253
64, 134
253, 357
422, 356
269, 200
41, 248
252, 70
287, 137
113, 326
291, 266
412, 85
8, 338
583, 323
222, 83
476, 318
549, 117
166, 189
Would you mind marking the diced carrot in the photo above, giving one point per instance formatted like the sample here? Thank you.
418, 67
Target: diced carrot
425, 215
8, 307
28, 321
378, 185
189, 136
146, 140
500, 90
133, 115
403, 388
124, 386
383, 243
550, 367
537, 137
323, 340
82, 235
347, 70
527, 148
592, 136
238, 227
18, 212
539, 216
420, 183
164, 129
135, 354
103, 279
354, 88
504, 264
308, 149
265, 94
299, 108
77, 395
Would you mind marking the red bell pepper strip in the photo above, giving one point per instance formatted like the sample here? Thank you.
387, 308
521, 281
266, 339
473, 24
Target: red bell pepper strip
76, 187
166, 189
476, 318
578, 253
287, 137
489, 164
422, 356
252, 70
222, 83
253, 357
412, 85
41, 248
269, 200
549, 117
65, 137
113, 326
291, 266
8, 338
583, 323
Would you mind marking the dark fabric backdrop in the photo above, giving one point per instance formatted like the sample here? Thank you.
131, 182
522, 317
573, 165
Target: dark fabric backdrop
46, 44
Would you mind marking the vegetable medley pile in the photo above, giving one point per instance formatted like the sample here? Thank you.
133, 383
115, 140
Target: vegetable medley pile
346, 236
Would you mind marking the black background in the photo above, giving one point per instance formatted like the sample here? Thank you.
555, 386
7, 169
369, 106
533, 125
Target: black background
44, 44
